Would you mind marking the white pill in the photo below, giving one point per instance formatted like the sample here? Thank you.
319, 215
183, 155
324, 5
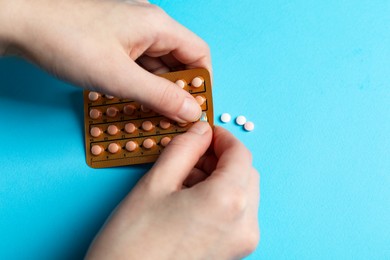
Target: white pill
249, 126
226, 117
240, 120
93, 96
197, 82
181, 83
200, 100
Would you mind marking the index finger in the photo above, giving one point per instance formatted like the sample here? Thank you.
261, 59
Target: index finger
234, 159
183, 44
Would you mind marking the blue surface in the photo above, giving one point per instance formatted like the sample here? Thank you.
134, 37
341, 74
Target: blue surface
314, 76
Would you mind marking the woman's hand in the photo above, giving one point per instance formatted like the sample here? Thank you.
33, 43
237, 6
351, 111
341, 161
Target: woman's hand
195, 203
110, 46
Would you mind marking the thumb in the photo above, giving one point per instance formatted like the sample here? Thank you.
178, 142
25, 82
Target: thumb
161, 95
180, 157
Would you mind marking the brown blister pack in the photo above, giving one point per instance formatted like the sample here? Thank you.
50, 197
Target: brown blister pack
122, 132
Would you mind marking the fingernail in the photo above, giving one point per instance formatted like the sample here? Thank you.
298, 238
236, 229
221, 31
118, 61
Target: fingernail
190, 111
200, 128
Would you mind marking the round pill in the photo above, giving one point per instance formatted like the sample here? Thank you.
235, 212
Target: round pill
249, 126
181, 83
145, 109
93, 96
112, 130
147, 126
182, 124
148, 143
197, 82
165, 141
96, 131
131, 146
96, 150
129, 109
200, 100
109, 96
240, 120
164, 124
113, 147
95, 113
226, 117
130, 128
112, 111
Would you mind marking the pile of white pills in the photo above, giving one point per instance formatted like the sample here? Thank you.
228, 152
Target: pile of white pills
240, 120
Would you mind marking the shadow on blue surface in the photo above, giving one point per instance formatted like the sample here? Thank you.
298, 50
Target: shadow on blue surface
51, 202
23, 82
34, 89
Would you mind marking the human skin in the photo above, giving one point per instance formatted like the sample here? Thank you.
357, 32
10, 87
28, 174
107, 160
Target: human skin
109, 46
200, 200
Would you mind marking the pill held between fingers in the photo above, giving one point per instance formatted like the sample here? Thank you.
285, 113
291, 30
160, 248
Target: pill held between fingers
181, 83
129, 109
96, 131
95, 113
148, 143
131, 146
165, 141
147, 126
226, 117
113, 148
200, 100
164, 124
249, 126
93, 96
96, 150
112, 111
240, 120
112, 130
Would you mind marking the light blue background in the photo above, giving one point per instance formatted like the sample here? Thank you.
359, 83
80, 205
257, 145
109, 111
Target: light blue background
314, 76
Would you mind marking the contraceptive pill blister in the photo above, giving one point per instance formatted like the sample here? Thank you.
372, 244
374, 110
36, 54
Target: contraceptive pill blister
122, 132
